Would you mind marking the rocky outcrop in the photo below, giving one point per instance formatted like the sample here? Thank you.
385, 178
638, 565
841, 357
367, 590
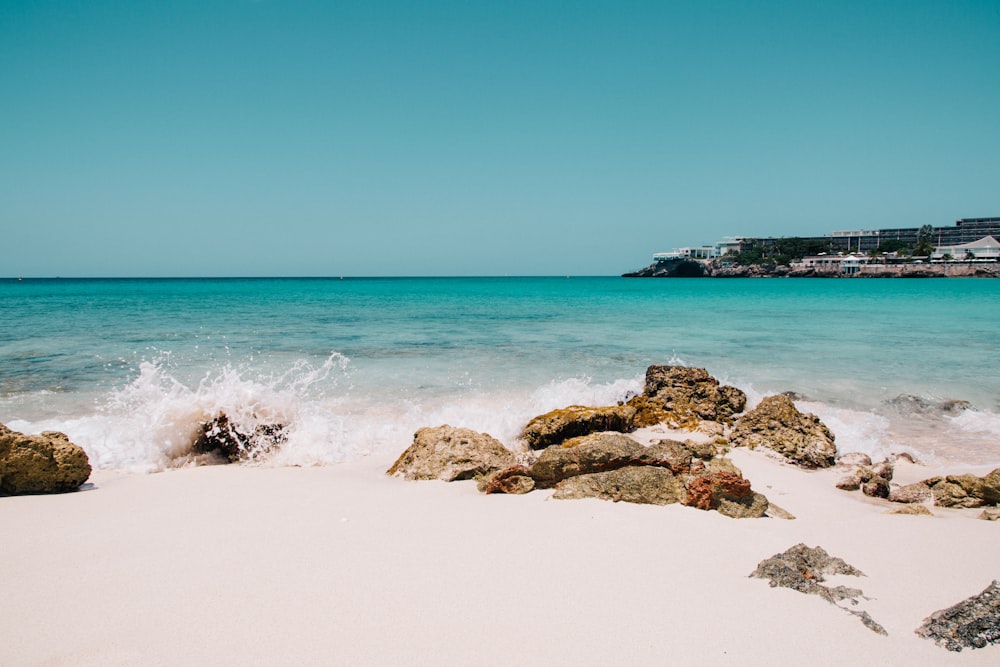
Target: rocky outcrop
558, 425
448, 453
599, 452
777, 425
726, 492
633, 484
46, 463
678, 396
235, 443
972, 623
683, 397
966, 490
804, 569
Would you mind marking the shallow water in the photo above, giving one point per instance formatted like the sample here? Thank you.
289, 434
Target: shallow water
128, 368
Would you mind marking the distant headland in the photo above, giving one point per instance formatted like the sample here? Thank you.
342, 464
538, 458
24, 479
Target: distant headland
969, 248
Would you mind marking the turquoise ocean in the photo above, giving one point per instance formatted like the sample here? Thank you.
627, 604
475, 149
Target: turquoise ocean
129, 368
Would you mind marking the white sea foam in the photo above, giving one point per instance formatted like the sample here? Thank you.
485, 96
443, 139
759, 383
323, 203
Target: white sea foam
151, 423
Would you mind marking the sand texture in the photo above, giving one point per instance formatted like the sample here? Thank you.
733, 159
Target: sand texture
342, 565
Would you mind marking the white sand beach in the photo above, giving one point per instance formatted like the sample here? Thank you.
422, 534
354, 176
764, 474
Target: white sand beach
341, 565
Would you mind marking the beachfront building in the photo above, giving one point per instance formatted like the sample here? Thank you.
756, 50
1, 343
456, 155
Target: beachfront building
845, 264
720, 249
986, 249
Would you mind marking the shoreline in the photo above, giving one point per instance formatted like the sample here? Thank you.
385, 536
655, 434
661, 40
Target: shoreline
343, 565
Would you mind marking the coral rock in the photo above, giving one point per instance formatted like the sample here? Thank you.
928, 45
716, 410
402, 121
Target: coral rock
911, 493
972, 623
728, 493
448, 453
633, 484
685, 397
559, 425
46, 463
777, 425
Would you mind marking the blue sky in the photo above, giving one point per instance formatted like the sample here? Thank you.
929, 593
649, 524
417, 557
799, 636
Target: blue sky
231, 137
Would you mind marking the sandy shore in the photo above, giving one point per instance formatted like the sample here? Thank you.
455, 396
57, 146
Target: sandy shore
341, 565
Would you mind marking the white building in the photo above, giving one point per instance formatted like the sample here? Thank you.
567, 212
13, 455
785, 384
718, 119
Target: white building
846, 264
986, 249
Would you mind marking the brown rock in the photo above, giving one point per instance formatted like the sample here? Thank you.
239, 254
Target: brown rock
991, 487
727, 492
513, 480
598, 452
632, 484
989, 515
914, 510
884, 470
448, 453
959, 491
234, 443
558, 425
852, 481
854, 459
911, 493
876, 487
46, 463
676, 455
684, 397
777, 425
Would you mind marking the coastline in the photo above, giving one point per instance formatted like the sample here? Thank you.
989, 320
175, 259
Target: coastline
343, 565
713, 269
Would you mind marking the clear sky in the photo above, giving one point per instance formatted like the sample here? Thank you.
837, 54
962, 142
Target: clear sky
285, 137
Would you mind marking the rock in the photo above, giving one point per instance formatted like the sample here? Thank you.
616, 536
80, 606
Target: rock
714, 429
911, 493
876, 487
513, 480
854, 459
914, 510
991, 487
633, 484
726, 492
884, 470
959, 491
907, 457
803, 569
702, 450
46, 463
558, 425
234, 443
448, 453
989, 515
685, 397
677, 455
852, 481
597, 452
777, 425
972, 623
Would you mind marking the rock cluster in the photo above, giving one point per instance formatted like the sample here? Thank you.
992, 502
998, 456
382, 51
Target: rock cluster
965, 490
972, 623
675, 395
804, 569
609, 466
46, 463
777, 425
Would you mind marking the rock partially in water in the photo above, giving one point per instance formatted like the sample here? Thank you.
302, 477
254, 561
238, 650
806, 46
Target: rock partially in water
804, 569
777, 425
633, 484
448, 453
683, 397
235, 443
972, 623
46, 463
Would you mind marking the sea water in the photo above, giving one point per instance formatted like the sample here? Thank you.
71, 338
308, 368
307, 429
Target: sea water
129, 369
